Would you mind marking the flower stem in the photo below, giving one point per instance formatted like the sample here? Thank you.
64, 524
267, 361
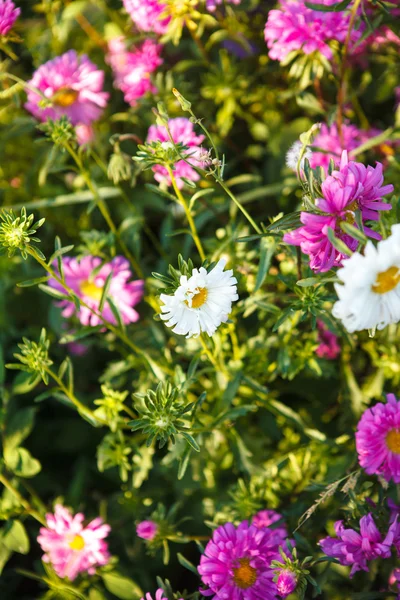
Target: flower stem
188, 214
239, 205
31, 511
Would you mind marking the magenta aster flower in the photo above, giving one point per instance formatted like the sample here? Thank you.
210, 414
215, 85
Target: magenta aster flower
295, 27
235, 564
332, 144
353, 187
132, 70
265, 518
159, 596
286, 583
147, 530
356, 549
87, 278
71, 547
8, 15
73, 85
148, 14
378, 439
211, 5
328, 342
182, 131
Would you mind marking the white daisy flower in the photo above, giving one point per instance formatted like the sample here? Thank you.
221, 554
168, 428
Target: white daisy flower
293, 155
370, 296
202, 302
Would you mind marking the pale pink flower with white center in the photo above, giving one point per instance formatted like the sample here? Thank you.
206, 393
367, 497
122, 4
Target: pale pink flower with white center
133, 69
146, 14
70, 546
182, 131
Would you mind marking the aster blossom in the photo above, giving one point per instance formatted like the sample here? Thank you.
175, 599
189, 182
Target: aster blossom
353, 187
147, 530
148, 15
333, 144
378, 440
159, 595
211, 5
328, 342
294, 27
87, 278
356, 549
133, 69
201, 302
234, 564
369, 290
182, 132
286, 583
70, 546
9, 13
73, 86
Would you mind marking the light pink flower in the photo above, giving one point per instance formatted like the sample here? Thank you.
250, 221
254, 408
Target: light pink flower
8, 15
333, 144
87, 278
353, 187
133, 69
293, 26
159, 595
146, 14
147, 530
70, 546
211, 5
356, 549
74, 85
328, 342
182, 131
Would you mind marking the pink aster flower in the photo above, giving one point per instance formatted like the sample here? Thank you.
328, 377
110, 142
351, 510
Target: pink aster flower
73, 85
286, 583
265, 518
295, 27
332, 144
148, 15
211, 5
182, 131
278, 535
70, 546
328, 342
8, 15
159, 596
147, 530
133, 69
378, 439
87, 278
235, 564
355, 549
353, 187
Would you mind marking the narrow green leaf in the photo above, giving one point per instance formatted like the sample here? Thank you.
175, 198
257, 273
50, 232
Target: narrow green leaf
186, 563
105, 292
31, 282
338, 244
122, 587
354, 232
53, 292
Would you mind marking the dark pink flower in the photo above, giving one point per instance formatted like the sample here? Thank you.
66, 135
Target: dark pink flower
147, 530
328, 342
8, 15
286, 583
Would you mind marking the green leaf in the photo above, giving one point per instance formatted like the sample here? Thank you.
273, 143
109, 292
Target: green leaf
122, 587
268, 248
104, 292
338, 244
30, 282
19, 427
186, 563
184, 462
14, 537
190, 440
21, 462
53, 292
5, 554
330, 8
80, 334
354, 232
308, 282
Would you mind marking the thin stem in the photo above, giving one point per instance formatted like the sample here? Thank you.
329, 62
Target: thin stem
208, 352
188, 214
31, 511
199, 44
238, 204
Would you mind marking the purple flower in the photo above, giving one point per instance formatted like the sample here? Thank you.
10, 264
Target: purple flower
8, 15
87, 278
147, 15
356, 549
378, 439
72, 548
147, 530
295, 27
328, 345
286, 582
353, 187
132, 69
182, 131
236, 564
74, 87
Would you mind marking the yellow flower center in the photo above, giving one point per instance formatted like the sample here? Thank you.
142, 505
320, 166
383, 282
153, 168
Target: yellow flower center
199, 298
65, 97
244, 576
386, 281
78, 543
90, 289
393, 441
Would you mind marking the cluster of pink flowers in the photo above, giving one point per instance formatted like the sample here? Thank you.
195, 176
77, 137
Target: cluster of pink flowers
87, 278
353, 187
293, 26
237, 560
148, 15
70, 546
73, 86
378, 440
328, 342
182, 131
9, 13
133, 69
